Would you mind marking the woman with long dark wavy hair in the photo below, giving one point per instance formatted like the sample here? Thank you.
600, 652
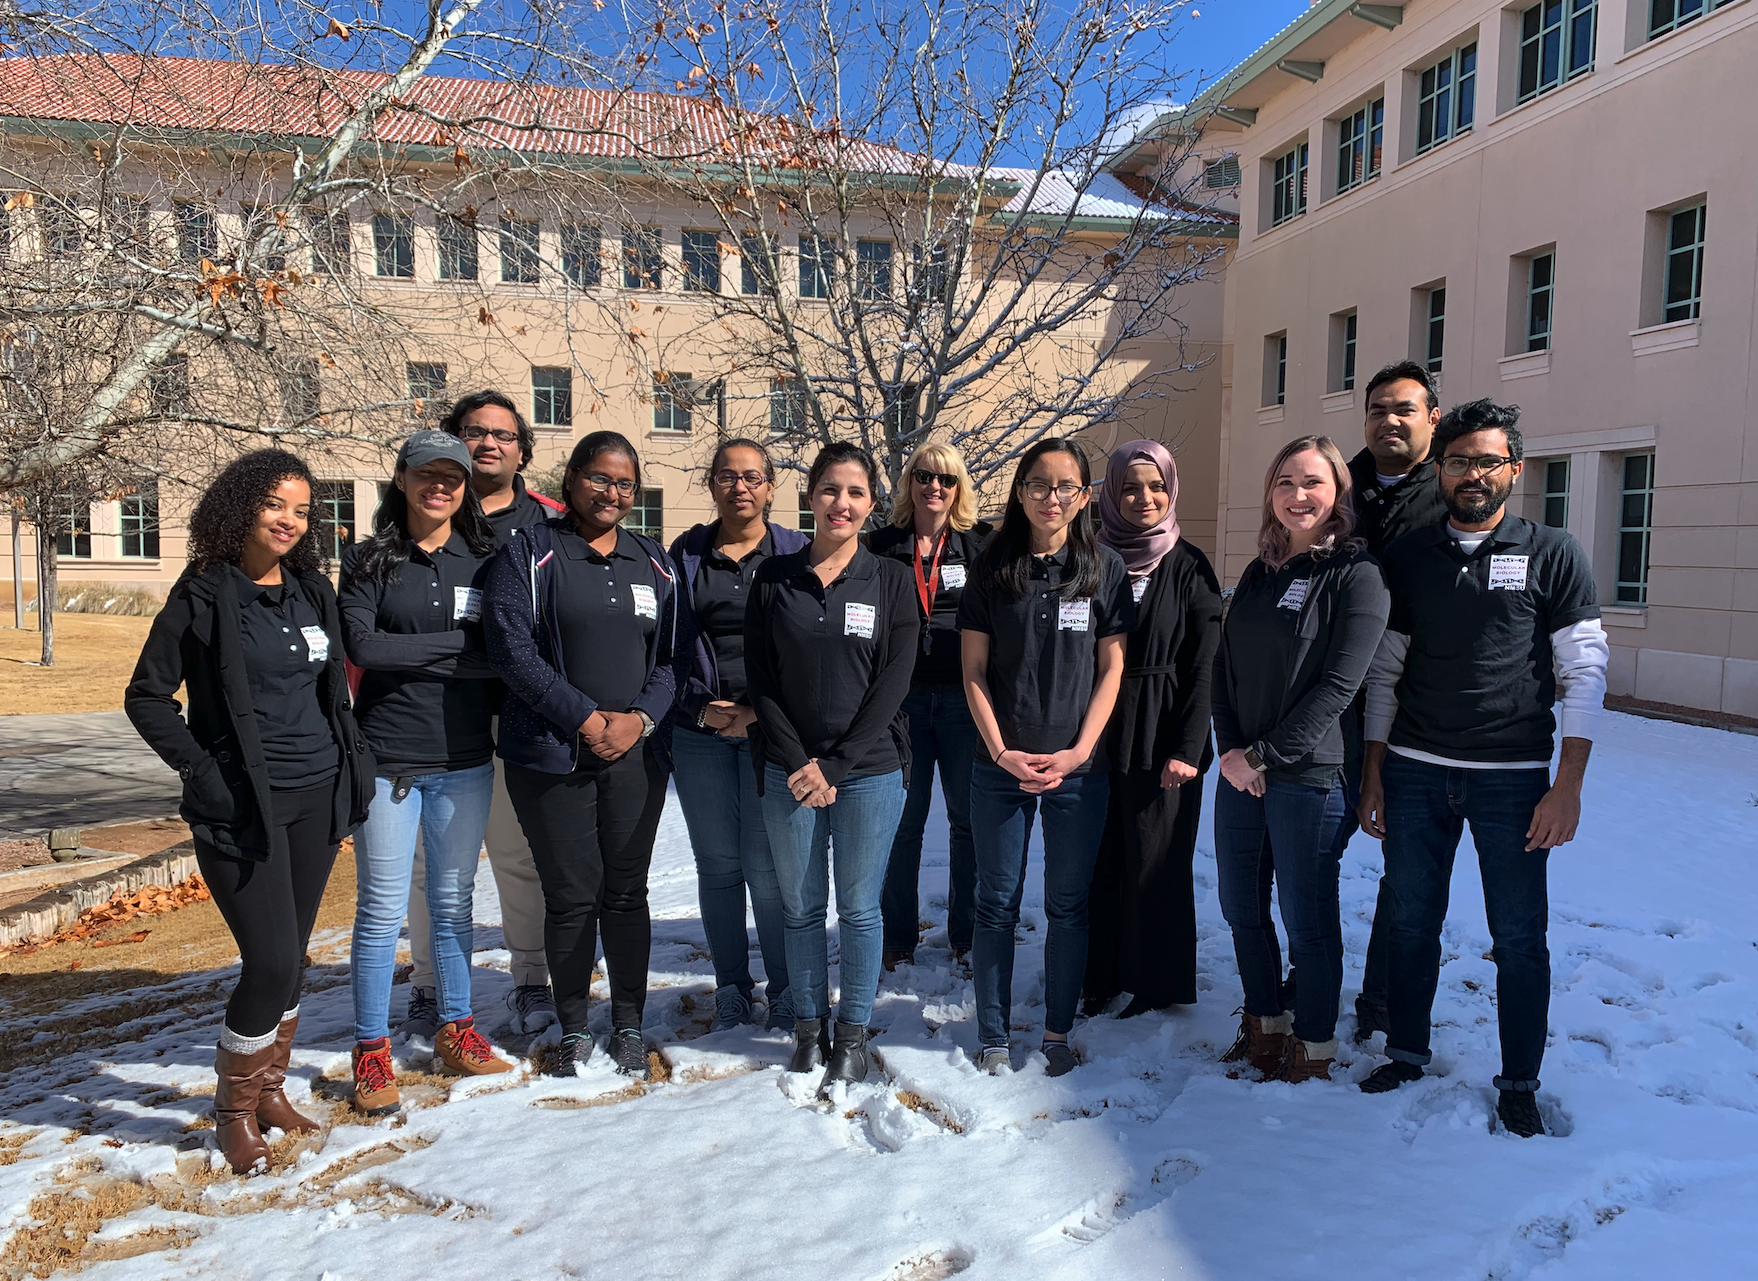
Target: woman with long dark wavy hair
412, 620
1041, 633
275, 772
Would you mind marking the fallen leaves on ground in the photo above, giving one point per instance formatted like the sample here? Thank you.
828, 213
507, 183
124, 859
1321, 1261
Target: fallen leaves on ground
148, 900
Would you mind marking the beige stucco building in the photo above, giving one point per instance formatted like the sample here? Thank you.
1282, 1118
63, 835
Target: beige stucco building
1553, 205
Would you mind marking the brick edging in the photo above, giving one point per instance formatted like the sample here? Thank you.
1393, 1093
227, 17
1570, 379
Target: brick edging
48, 914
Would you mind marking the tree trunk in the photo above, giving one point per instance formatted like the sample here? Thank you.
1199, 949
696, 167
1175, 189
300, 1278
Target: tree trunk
48, 592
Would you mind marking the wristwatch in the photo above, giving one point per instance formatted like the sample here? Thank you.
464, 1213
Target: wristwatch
1254, 760
647, 724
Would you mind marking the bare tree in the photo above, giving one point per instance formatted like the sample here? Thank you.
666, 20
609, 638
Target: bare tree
930, 234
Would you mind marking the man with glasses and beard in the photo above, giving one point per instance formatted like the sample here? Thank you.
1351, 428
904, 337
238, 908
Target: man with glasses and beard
1494, 619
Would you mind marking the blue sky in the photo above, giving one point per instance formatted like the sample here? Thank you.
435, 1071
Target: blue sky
1228, 30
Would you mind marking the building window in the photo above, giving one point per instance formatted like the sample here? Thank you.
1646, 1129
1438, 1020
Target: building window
140, 521
459, 258
168, 387
647, 516
1669, 15
1275, 370
263, 237
787, 406
393, 245
552, 396
73, 514
1221, 174
1435, 328
335, 504
331, 241
872, 270
756, 262
1288, 186
583, 254
1360, 141
427, 387
674, 396
131, 224
1346, 332
702, 261
1446, 98
198, 234
1541, 274
1556, 493
519, 251
1684, 263
643, 258
1635, 528
817, 266
301, 390
1556, 44
933, 273
808, 520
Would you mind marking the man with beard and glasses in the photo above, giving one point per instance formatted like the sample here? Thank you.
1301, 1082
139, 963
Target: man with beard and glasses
1494, 619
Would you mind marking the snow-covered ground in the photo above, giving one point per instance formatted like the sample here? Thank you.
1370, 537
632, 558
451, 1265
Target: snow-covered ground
1147, 1161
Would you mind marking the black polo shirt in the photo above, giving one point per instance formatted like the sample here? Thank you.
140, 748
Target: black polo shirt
1385, 513
607, 608
427, 694
721, 589
285, 649
829, 666
939, 664
523, 511
1478, 682
1043, 649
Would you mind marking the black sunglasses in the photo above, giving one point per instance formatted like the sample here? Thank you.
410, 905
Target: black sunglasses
922, 476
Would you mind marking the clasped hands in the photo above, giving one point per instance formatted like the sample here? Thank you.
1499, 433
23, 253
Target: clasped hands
610, 735
809, 787
1040, 772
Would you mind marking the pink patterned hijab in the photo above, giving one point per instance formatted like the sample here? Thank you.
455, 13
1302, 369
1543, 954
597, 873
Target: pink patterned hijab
1141, 549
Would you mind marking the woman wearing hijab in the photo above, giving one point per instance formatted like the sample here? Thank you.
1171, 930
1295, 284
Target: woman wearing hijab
1142, 913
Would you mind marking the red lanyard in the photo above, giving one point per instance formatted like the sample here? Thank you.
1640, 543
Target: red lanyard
926, 588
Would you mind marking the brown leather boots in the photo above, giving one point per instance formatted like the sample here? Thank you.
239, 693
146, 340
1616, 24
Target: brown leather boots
249, 1098
1271, 1047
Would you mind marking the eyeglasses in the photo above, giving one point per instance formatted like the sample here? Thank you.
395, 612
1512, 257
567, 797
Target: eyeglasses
1487, 465
731, 479
922, 476
1066, 492
504, 436
603, 483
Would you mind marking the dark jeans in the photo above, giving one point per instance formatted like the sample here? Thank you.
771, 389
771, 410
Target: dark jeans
1373, 973
271, 906
1288, 836
1143, 914
1001, 822
1427, 807
591, 835
941, 730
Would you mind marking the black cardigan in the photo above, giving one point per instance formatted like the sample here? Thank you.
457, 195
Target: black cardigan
196, 641
1163, 707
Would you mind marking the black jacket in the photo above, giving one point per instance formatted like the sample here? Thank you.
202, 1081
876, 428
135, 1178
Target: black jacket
940, 663
1163, 707
196, 641
1382, 515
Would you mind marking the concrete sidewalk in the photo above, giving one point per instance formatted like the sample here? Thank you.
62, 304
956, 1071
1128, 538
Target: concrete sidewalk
79, 769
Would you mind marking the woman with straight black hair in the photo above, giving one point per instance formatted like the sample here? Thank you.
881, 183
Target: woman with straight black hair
831, 634
412, 619
275, 772
717, 566
582, 627
1042, 630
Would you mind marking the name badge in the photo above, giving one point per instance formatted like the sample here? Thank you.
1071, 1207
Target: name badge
317, 644
646, 603
858, 619
952, 575
1507, 573
1139, 588
1074, 615
1295, 596
466, 604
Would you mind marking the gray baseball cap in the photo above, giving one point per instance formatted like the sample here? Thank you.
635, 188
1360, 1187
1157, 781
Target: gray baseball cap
430, 446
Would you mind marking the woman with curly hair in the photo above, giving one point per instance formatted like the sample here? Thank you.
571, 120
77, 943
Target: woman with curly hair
274, 771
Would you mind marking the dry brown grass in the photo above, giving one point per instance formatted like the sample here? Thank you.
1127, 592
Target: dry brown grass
12, 1143
916, 1103
94, 657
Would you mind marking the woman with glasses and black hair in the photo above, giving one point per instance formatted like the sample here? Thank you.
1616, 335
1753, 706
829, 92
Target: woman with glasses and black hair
582, 627
934, 531
711, 751
412, 619
275, 772
831, 633
1042, 631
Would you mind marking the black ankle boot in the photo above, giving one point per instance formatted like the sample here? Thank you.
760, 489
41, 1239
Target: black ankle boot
811, 1045
848, 1057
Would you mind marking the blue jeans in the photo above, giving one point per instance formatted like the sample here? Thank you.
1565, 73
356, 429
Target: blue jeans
861, 821
1001, 823
1292, 835
941, 730
1427, 807
450, 812
718, 794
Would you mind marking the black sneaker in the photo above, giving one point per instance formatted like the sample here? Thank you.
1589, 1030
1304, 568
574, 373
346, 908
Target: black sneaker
1059, 1059
1518, 1110
1389, 1076
1370, 1017
628, 1052
423, 1017
572, 1053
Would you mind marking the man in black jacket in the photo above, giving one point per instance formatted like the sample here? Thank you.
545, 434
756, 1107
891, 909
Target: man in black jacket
1395, 491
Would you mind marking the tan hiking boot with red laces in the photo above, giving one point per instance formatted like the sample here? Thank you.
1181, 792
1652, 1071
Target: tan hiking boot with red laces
375, 1079
463, 1049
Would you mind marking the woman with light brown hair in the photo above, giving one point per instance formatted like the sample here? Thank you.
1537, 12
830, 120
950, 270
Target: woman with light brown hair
1295, 646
